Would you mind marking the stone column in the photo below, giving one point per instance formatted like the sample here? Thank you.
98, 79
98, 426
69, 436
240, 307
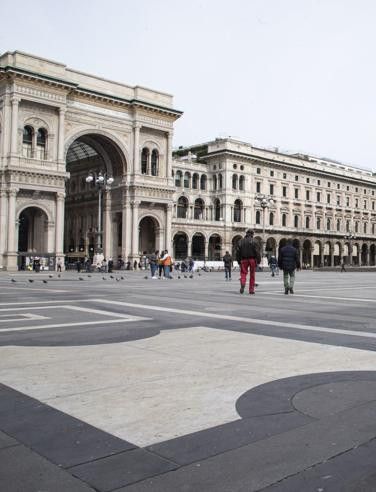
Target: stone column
135, 232
59, 224
136, 149
107, 244
60, 150
189, 244
126, 230
6, 127
14, 127
169, 156
12, 194
206, 249
3, 222
168, 227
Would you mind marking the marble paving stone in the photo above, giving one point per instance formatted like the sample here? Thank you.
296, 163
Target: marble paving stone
22, 470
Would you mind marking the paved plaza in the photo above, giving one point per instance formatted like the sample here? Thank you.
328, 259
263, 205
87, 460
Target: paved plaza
123, 383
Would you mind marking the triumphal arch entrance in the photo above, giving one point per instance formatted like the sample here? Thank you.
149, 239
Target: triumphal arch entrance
85, 165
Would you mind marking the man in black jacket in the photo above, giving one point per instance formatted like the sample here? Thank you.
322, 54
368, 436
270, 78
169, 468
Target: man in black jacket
288, 261
227, 261
248, 256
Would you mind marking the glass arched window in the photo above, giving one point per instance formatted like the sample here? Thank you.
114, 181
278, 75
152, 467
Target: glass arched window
307, 222
338, 225
41, 143
154, 162
144, 160
27, 141
220, 181
271, 218
217, 210
296, 220
318, 223
328, 224
241, 183
199, 209
258, 217
182, 208
237, 211
187, 179
178, 179
215, 183
203, 182
284, 220
234, 182
195, 181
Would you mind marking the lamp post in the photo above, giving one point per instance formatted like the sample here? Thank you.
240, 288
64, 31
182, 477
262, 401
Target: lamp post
350, 236
101, 181
264, 202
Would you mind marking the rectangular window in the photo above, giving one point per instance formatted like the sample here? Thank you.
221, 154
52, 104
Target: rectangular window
338, 200
271, 191
318, 196
347, 201
365, 204
348, 188
365, 191
307, 180
356, 203
271, 173
328, 184
284, 191
258, 187
296, 178
318, 182
307, 194
373, 205
258, 170
284, 176
296, 193
327, 198
373, 192
338, 186
356, 190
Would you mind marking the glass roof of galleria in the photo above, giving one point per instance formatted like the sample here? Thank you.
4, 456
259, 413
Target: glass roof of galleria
79, 151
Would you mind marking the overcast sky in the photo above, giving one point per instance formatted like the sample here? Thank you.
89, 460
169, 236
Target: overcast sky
295, 74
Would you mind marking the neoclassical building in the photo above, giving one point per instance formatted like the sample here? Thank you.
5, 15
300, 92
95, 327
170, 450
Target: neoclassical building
87, 167
57, 127
328, 208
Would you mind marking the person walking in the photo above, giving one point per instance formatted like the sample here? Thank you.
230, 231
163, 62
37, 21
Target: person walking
227, 261
288, 261
343, 268
273, 264
248, 256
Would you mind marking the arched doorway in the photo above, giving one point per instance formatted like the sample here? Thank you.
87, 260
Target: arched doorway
307, 248
235, 241
317, 254
364, 255
180, 246
147, 235
327, 254
271, 247
372, 255
198, 246
337, 254
91, 223
33, 238
215, 243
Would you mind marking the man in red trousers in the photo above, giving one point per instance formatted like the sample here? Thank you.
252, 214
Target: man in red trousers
248, 257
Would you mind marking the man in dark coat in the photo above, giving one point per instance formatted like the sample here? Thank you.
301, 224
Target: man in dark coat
227, 261
248, 256
288, 261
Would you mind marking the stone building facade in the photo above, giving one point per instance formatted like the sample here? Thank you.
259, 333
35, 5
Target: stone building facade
326, 207
59, 126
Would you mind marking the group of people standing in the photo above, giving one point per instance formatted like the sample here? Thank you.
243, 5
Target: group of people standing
161, 264
248, 257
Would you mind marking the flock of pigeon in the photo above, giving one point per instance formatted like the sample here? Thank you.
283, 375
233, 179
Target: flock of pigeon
31, 280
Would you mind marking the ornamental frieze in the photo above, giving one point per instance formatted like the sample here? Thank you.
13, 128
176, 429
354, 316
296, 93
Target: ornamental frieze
39, 93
